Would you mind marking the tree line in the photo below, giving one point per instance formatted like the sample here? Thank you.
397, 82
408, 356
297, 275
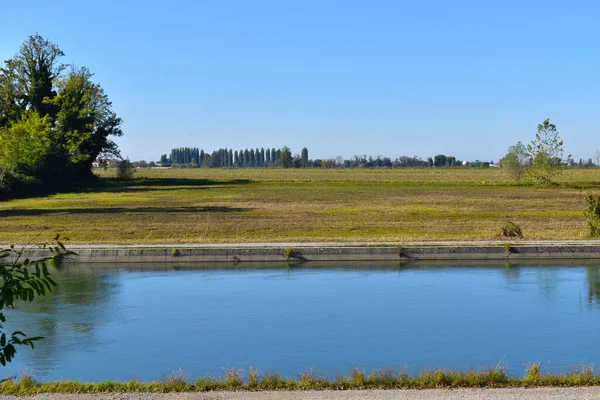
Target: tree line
193, 157
55, 121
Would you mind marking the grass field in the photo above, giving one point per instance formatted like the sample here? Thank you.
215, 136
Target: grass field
273, 205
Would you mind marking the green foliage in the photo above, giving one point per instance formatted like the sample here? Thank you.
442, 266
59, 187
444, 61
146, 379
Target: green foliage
285, 157
592, 214
516, 161
507, 248
304, 157
546, 152
25, 143
125, 170
5, 183
511, 229
53, 123
22, 279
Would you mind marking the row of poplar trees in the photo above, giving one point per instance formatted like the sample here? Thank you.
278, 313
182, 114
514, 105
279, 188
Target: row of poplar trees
192, 157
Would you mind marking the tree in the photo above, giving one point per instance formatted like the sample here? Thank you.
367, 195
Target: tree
439, 160
22, 279
68, 117
546, 151
125, 170
304, 156
285, 157
516, 161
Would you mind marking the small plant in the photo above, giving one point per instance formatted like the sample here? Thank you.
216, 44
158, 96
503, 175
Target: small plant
175, 252
253, 377
511, 229
176, 381
400, 251
289, 252
533, 371
592, 214
507, 248
233, 379
125, 170
358, 377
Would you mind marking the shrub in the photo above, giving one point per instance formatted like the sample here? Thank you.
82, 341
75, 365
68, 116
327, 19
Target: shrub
511, 229
125, 170
4, 184
592, 214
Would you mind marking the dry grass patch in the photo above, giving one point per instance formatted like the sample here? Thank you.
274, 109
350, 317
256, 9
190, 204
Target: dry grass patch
271, 205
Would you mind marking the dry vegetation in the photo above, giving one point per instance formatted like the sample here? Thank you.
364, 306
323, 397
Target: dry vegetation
273, 205
235, 380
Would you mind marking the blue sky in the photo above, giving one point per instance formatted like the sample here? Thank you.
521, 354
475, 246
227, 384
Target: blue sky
464, 78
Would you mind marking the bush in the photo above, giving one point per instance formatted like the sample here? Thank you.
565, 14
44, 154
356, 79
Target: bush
125, 170
4, 184
511, 229
592, 214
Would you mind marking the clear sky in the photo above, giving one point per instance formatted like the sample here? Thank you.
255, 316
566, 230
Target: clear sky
464, 78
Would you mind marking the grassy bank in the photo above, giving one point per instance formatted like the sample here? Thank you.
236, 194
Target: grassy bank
273, 205
254, 381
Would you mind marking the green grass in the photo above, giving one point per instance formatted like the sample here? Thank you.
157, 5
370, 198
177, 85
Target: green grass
276, 205
255, 381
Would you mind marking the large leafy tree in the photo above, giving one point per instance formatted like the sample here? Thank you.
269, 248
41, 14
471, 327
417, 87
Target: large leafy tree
57, 114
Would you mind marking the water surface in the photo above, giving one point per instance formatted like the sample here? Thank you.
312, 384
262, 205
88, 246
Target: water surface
139, 322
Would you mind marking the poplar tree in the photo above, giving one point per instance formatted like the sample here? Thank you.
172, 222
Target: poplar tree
304, 157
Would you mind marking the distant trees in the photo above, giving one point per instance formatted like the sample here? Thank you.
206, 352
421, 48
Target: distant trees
192, 157
442, 160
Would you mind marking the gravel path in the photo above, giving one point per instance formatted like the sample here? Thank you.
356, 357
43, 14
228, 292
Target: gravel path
463, 394
345, 244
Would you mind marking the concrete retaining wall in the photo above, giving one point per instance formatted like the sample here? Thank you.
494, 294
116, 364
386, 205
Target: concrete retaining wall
387, 253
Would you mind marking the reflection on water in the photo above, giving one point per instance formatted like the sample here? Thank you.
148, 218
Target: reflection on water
143, 321
593, 279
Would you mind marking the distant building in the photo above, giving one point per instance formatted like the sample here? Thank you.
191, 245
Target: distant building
106, 163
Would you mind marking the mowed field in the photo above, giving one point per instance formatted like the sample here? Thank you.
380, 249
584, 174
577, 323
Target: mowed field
276, 205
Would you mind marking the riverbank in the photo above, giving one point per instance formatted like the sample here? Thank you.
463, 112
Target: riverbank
236, 385
431, 394
301, 252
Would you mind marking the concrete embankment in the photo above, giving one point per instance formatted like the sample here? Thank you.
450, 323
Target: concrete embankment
239, 253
